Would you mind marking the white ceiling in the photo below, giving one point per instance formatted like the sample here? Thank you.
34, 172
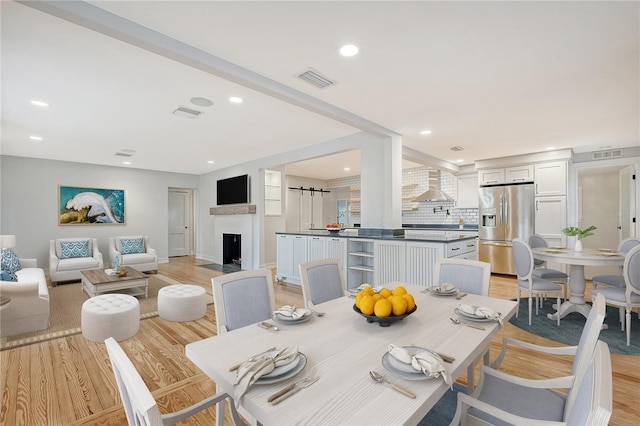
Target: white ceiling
498, 78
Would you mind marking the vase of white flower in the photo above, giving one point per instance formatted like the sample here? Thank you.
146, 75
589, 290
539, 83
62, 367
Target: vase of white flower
572, 231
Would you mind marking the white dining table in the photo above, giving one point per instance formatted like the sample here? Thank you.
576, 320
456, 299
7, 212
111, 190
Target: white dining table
341, 348
577, 261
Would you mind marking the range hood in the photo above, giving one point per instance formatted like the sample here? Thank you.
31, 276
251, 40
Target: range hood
433, 193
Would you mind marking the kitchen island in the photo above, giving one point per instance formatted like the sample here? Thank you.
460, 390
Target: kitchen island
374, 256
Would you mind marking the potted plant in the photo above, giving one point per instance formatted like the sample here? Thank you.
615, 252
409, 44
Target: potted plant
572, 231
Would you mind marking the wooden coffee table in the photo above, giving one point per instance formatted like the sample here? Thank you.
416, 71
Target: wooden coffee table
96, 282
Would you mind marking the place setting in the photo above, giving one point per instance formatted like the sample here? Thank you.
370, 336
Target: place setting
266, 368
445, 290
291, 315
415, 363
476, 314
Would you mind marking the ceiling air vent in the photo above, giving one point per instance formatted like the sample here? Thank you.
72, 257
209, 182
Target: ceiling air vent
605, 155
122, 154
457, 148
186, 112
312, 76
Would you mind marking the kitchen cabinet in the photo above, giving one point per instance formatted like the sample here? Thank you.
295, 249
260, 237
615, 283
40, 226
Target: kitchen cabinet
420, 261
466, 192
360, 261
292, 251
389, 261
326, 248
551, 179
505, 175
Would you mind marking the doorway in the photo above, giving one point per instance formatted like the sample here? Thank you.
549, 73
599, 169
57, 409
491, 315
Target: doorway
181, 222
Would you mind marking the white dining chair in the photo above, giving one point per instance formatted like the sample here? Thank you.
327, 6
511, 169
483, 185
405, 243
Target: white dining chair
616, 280
505, 399
540, 269
469, 276
322, 280
139, 404
627, 297
534, 286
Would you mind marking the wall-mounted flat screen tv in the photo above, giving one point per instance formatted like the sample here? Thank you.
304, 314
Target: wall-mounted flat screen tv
233, 190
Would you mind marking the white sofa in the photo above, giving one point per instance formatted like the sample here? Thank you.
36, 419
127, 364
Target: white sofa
27, 305
143, 262
69, 269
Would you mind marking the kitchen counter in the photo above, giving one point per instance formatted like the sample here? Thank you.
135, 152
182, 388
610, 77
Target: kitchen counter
449, 236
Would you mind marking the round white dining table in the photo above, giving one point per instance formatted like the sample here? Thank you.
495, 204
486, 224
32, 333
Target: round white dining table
577, 261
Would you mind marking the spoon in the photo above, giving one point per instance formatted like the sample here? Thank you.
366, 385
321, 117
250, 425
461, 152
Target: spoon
378, 378
457, 321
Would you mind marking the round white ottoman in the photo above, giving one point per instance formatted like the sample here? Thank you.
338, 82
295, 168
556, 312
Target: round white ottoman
182, 302
110, 315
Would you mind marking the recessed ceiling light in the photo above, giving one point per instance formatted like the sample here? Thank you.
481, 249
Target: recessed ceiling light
210, 161
235, 100
425, 132
349, 50
203, 102
39, 103
126, 162
35, 138
346, 169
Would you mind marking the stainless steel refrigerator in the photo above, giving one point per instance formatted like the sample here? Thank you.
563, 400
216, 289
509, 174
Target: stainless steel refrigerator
506, 212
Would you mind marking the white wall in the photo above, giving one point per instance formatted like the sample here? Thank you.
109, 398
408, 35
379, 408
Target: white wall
29, 203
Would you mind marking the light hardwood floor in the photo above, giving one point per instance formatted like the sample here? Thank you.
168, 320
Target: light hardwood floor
68, 381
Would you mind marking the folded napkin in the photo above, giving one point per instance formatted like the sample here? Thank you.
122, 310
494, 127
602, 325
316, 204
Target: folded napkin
375, 289
444, 288
424, 362
480, 311
250, 371
293, 312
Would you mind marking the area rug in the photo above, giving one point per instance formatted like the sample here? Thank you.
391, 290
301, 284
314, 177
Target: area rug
445, 409
571, 327
65, 303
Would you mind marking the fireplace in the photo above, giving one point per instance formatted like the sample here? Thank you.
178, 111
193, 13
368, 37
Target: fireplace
232, 249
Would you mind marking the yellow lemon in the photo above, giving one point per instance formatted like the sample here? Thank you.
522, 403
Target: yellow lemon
359, 297
385, 292
366, 305
383, 308
411, 303
399, 305
368, 290
399, 291
377, 296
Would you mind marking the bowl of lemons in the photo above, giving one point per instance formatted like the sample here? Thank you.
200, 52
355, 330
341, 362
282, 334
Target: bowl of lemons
386, 306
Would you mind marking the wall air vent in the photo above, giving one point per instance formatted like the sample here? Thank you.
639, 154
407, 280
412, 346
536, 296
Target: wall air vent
312, 76
122, 154
186, 112
605, 155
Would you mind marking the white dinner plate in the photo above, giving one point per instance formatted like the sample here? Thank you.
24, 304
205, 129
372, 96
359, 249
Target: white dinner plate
471, 317
406, 371
282, 369
609, 254
443, 293
283, 319
268, 379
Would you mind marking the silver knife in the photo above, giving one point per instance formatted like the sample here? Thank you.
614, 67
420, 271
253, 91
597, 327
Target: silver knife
297, 388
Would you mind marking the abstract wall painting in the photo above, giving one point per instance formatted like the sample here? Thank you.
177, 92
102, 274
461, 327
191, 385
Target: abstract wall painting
90, 206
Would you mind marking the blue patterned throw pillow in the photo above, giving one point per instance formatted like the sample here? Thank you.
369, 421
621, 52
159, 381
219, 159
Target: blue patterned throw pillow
5, 276
72, 249
132, 245
10, 262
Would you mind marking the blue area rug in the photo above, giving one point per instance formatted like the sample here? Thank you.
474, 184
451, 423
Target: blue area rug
442, 413
571, 327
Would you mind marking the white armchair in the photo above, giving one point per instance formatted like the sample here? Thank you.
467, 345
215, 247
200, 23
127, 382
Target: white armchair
69, 256
134, 252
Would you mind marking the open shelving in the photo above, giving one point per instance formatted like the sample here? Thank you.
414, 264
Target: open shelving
360, 262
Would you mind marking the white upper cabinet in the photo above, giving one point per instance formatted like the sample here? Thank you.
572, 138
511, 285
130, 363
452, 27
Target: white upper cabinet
488, 176
551, 179
467, 192
518, 174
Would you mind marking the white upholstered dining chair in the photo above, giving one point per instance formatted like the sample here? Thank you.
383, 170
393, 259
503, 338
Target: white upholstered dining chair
616, 280
469, 276
139, 404
534, 286
505, 399
322, 280
627, 297
540, 269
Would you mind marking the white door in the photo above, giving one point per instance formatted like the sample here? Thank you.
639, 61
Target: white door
628, 203
179, 233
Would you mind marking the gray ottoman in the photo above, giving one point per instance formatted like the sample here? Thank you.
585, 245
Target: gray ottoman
182, 302
110, 315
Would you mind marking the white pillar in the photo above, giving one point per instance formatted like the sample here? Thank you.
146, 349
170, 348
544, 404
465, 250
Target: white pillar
381, 183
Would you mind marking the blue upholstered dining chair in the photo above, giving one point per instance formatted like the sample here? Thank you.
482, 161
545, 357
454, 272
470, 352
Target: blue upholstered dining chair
616, 280
469, 276
505, 399
533, 285
627, 297
322, 280
139, 405
540, 269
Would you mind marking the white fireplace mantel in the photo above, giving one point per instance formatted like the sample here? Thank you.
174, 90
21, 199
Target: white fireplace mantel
233, 209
